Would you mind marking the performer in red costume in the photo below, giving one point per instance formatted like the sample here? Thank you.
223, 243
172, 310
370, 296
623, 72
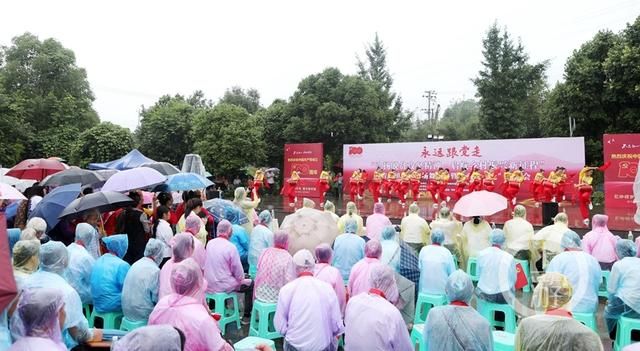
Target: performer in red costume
585, 189
389, 184
258, 182
416, 178
475, 180
354, 186
462, 180
489, 182
549, 185
536, 186
323, 185
376, 184
289, 188
513, 185
361, 183
443, 181
562, 180
432, 186
405, 183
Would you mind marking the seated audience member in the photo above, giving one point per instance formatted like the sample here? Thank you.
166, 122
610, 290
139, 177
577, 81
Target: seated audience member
81, 262
240, 239
140, 289
261, 238
330, 208
377, 222
348, 249
624, 286
182, 248
193, 226
548, 238
390, 248
450, 227
152, 338
329, 274
361, 272
474, 238
25, 260
108, 274
414, 230
90, 239
275, 269
518, 234
352, 213
496, 271
436, 265
600, 242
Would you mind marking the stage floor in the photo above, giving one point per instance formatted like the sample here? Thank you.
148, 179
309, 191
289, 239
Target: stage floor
620, 220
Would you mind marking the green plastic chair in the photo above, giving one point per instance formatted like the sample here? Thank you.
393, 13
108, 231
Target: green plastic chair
110, 320
588, 319
503, 341
527, 272
488, 311
249, 343
626, 326
129, 325
262, 320
472, 269
602, 290
226, 316
425, 303
416, 336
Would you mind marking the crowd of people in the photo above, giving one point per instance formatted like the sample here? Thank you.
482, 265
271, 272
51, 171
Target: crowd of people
156, 266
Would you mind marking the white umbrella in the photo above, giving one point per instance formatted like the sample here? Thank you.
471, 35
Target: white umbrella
7, 192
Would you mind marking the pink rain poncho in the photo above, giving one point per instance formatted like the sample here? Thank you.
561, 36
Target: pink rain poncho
182, 249
192, 226
275, 269
37, 320
223, 268
324, 271
376, 222
184, 310
600, 242
359, 280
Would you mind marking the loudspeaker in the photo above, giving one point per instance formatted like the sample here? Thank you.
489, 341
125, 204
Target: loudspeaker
549, 210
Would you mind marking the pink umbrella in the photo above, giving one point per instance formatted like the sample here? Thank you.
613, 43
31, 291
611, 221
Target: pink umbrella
7, 192
131, 179
480, 203
36, 169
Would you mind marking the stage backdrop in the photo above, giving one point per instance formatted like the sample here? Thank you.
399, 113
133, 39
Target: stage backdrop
623, 150
308, 159
531, 154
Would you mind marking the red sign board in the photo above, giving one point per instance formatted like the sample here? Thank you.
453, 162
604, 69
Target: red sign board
308, 160
623, 150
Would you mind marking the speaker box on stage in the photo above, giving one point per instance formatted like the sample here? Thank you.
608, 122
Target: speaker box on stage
549, 210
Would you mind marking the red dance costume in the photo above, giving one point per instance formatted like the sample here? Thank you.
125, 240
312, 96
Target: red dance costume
476, 181
461, 183
489, 181
405, 183
389, 185
323, 184
376, 185
289, 189
361, 183
354, 186
536, 186
443, 180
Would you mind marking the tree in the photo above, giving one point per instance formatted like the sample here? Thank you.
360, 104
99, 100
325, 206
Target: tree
249, 99
228, 138
510, 89
375, 68
459, 121
42, 81
275, 120
13, 134
165, 128
102, 143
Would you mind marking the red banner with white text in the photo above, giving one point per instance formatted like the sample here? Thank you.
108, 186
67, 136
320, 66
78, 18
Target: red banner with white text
623, 150
308, 160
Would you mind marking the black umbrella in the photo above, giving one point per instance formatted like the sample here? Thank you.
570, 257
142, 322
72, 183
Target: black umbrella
163, 167
102, 201
72, 176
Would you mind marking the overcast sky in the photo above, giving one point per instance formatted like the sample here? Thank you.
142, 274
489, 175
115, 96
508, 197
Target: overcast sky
136, 51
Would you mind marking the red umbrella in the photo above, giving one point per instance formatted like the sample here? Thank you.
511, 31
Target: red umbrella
36, 169
8, 288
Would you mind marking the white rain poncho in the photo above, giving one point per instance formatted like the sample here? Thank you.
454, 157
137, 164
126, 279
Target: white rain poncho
150, 338
436, 265
552, 333
548, 238
390, 248
78, 273
140, 289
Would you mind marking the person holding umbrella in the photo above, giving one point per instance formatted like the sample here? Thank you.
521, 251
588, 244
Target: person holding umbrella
135, 224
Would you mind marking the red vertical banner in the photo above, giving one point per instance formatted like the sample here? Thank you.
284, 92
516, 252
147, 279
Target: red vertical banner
308, 160
623, 150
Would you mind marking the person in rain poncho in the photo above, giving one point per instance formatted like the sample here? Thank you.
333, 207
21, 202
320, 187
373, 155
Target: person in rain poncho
555, 329
40, 226
193, 209
223, 269
329, 274
135, 224
519, 235
261, 238
436, 265
140, 290
414, 230
90, 239
372, 322
352, 213
275, 269
308, 314
183, 244
457, 327
152, 338
38, 319
496, 271
451, 229
183, 309
390, 248
25, 260
348, 249
636, 197
240, 239
377, 222
474, 238
582, 270
600, 242
28, 234
359, 279
193, 226
331, 208
109, 272
248, 206
54, 259
624, 286
548, 238
81, 262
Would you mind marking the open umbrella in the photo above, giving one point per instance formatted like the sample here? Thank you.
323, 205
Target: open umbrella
9, 180
72, 176
308, 227
54, 203
136, 178
8, 288
225, 209
480, 203
102, 201
106, 173
7, 192
184, 181
165, 168
36, 169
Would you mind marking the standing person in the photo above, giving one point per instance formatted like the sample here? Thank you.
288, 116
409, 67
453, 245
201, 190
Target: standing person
489, 181
135, 223
330, 208
376, 222
436, 265
519, 235
506, 177
261, 238
414, 230
550, 184
404, 186
258, 183
601, 243
474, 238
623, 287
109, 272
248, 206
496, 272
432, 187
309, 321
275, 269
582, 270
271, 181
349, 249
163, 232
462, 180
372, 322
361, 272
193, 207
513, 186
537, 188
352, 213
457, 326
585, 178
376, 184
166, 199
450, 227
78, 272
361, 183
223, 268
562, 181
442, 185
289, 188
354, 184
337, 180
140, 288
389, 184
323, 185
475, 180
329, 274
416, 178
548, 238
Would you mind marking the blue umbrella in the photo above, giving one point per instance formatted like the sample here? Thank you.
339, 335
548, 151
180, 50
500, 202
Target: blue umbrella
184, 181
54, 203
224, 209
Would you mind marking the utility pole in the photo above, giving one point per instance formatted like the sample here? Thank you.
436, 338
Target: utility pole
432, 112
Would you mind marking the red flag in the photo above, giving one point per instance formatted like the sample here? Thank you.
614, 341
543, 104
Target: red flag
8, 288
521, 277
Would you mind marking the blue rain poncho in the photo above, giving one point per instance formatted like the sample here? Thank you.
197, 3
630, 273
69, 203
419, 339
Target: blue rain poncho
109, 272
261, 238
241, 241
390, 248
496, 271
436, 265
53, 262
584, 274
348, 249
140, 290
78, 273
624, 284
457, 328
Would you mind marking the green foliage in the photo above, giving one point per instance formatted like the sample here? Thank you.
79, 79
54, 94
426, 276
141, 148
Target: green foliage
460, 121
102, 143
165, 128
12, 131
228, 138
510, 89
275, 120
249, 99
375, 68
